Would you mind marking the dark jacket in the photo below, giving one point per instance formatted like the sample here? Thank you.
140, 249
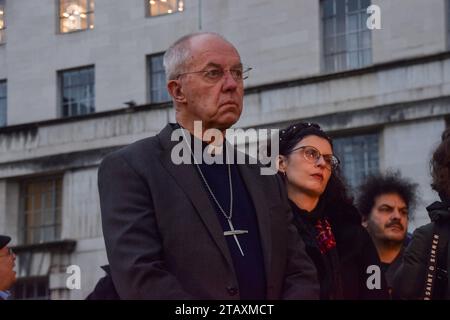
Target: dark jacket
391, 268
104, 289
164, 240
410, 278
342, 271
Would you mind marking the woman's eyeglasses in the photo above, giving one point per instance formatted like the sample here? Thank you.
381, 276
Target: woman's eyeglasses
313, 155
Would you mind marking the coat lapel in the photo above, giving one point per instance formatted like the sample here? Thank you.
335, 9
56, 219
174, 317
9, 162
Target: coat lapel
189, 181
252, 180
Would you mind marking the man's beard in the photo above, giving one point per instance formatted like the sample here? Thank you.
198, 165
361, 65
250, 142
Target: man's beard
394, 241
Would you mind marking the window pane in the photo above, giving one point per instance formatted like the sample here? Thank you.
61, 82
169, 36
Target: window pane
76, 15
352, 42
157, 63
77, 91
42, 219
340, 22
352, 59
328, 8
330, 46
330, 27
160, 7
352, 5
365, 4
366, 57
2, 89
366, 39
32, 288
2, 22
341, 62
341, 44
157, 79
353, 24
363, 16
329, 63
359, 157
352, 36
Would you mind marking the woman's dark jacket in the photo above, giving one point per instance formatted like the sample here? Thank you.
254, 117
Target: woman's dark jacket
342, 271
410, 278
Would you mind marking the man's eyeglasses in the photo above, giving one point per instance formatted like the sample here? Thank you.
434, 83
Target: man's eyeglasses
313, 155
217, 74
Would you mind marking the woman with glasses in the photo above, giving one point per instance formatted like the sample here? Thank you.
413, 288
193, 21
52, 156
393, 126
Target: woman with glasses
325, 217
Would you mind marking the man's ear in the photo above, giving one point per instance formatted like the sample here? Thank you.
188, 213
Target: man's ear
176, 91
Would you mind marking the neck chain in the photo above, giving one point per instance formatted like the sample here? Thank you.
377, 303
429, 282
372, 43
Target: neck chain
232, 231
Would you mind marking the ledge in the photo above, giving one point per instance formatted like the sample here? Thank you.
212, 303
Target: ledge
249, 90
400, 63
61, 246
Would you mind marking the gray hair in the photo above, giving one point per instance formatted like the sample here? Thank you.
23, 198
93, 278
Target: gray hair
176, 57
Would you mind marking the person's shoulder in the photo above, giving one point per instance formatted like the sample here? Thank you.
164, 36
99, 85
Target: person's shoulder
267, 175
143, 148
424, 232
346, 220
353, 233
255, 166
420, 243
352, 238
344, 214
425, 228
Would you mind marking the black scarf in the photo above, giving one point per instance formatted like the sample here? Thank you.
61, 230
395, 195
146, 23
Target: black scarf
325, 257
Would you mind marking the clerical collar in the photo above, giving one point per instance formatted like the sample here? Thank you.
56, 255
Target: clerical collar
210, 149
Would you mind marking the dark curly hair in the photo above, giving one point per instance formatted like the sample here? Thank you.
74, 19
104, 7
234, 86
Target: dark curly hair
293, 134
391, 182
339, 204
440, 166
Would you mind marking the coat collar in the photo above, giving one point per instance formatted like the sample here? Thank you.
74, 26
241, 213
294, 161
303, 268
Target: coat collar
439, 211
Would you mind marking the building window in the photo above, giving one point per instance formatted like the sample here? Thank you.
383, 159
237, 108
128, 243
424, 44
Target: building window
157, 79
160, 7
33, 288
75, 15
2, 22
3, 103
347, 42
41, 200
77, 91
359, 157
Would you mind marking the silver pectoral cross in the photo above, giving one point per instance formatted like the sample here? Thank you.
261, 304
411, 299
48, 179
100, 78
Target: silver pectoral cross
235, 233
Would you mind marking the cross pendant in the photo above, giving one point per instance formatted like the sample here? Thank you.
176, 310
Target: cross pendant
234, 233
